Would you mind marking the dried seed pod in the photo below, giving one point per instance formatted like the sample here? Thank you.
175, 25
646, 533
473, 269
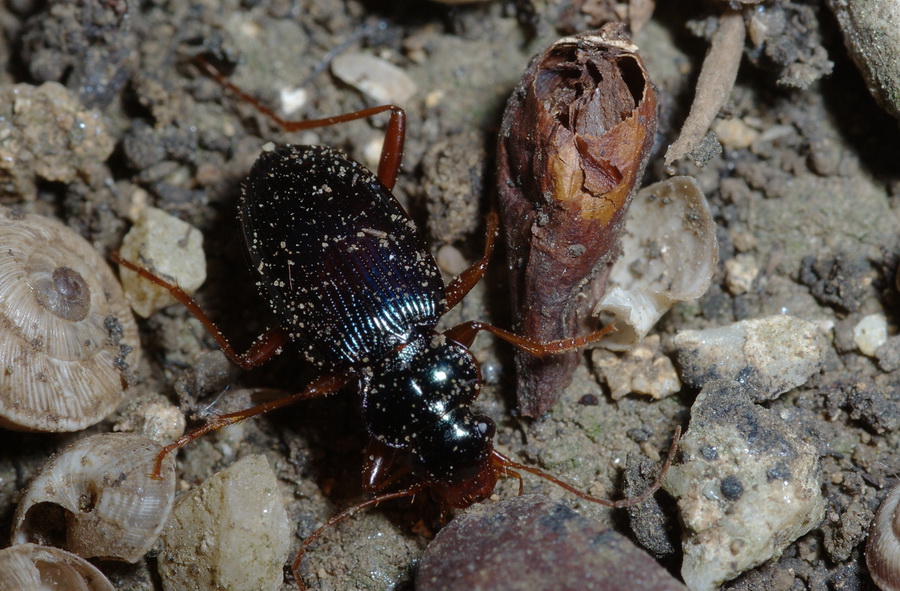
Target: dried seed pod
100, 490
574, 142
883, 546
65, 328
29, 567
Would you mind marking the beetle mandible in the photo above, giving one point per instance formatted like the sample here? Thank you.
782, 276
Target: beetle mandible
349, 277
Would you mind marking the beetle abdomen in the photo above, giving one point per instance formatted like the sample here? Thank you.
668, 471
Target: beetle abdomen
339, 260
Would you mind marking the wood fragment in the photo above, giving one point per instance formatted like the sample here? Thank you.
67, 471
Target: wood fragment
714, 84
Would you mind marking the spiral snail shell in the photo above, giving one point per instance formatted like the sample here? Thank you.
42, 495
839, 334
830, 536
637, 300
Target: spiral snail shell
65, 328
29, 567
883, 545
99, 489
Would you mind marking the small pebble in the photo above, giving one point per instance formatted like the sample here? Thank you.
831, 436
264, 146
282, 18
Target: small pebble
384, 82
740, 273
154, 417
769, 355
869, 405
870, 333
292, 99
47, 134
888, 354
167, 247
450, 260
735, 133
642, 370
747, 486
231, 533
872, 36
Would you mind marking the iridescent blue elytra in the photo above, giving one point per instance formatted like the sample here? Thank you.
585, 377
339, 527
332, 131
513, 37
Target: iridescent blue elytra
338, 257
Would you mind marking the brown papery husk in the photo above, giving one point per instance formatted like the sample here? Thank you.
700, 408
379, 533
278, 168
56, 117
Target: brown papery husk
574, 142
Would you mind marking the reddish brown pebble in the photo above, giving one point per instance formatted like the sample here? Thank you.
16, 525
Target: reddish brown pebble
530, 542
574, 142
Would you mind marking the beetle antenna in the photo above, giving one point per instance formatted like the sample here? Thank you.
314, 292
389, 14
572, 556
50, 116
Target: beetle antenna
408, 492
503, 463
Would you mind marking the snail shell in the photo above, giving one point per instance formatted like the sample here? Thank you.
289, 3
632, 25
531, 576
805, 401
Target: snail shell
65, 328
30, 567
883, 547
100, 491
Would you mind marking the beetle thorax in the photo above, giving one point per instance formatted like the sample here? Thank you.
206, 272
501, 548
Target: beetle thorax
416, 386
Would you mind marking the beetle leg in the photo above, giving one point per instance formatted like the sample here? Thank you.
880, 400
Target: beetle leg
394, 136
264, 348
377, 466
465, 281
321, 386
465, 334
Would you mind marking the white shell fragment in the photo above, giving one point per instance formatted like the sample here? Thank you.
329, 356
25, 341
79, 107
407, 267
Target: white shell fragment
870, 333
100, 490
66, 332
747, 486
231, 533
384, 82
167, 247
883, 545
29, 567
773, 355
669, 254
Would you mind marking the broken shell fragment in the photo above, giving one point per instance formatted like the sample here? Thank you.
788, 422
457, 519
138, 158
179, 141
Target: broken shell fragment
574, 142
100, 490
229, 533
883, 546
66, 332
669, 255
29, 567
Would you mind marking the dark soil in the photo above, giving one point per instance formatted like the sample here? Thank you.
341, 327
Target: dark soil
815, 207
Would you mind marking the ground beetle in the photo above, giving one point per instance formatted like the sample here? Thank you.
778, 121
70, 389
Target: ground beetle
349, 277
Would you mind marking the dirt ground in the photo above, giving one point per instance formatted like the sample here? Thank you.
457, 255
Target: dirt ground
813, 210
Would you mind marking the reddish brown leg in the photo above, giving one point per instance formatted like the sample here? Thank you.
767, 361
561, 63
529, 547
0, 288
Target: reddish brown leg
465, 281
378, 464
409, 492
266, 346
321, 386
503, 464
466, 332
394, 136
